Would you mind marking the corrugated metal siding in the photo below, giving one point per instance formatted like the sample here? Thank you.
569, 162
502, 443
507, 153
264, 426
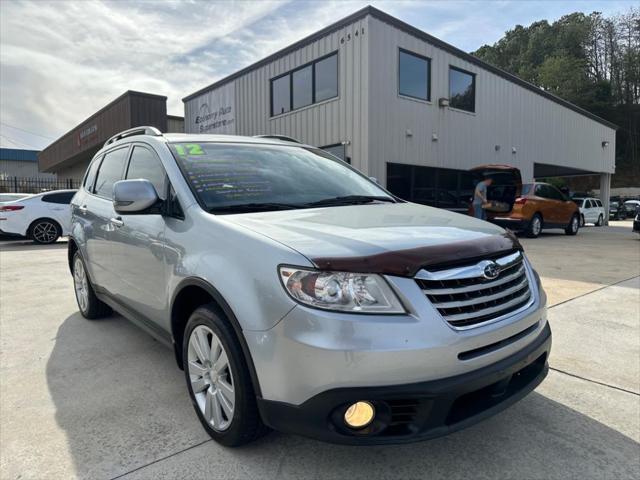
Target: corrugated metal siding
20, 155
506, 114
21, 168
343, 119
175, 124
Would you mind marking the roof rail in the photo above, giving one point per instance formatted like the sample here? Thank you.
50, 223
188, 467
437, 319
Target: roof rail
279, 137
134, 131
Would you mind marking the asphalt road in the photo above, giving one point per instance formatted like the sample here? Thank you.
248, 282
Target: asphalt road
101, 399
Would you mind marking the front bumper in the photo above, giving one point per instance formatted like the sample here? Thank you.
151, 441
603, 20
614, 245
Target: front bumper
417, 411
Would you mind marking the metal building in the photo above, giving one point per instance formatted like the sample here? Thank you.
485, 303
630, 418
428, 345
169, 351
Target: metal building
407, 108
70, 155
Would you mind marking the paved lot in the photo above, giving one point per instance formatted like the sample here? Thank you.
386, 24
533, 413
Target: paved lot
103, 400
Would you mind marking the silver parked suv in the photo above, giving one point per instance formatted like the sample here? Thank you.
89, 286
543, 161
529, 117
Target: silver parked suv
299, 295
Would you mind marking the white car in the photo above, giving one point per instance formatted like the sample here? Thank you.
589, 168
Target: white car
44, 217
10, 197
591, 211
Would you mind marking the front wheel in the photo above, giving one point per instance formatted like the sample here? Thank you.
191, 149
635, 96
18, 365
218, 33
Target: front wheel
574, 225
600, 221
218, 379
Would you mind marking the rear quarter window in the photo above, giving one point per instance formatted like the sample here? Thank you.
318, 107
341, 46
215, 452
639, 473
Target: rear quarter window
63, 198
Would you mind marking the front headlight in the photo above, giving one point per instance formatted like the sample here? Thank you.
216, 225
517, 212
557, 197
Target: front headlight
341, 291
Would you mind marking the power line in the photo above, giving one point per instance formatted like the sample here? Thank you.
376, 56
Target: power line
18, 144
27, 131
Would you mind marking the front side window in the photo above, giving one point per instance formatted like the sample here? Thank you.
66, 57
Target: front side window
462, 90
146, 165
309, 84
111, 171
224, 176
414, 72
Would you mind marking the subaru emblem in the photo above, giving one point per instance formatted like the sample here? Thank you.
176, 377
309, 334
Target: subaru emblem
491, 270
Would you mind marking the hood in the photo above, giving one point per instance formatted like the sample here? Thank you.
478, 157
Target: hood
392, 238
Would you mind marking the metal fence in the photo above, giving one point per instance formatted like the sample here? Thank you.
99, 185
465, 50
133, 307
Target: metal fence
35, 185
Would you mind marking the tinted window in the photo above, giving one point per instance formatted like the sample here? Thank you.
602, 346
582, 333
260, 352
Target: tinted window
414, 75
62, 197
91, 175
226, 175
145, 164
280, 95
462, 90
598, 203
322, 73
111, 170
399, 180
327, 78
303, 87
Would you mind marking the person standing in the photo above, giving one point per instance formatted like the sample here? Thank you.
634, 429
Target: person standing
480, 197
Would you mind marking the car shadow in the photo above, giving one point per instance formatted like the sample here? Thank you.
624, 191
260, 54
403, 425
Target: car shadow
123, 405
30, 245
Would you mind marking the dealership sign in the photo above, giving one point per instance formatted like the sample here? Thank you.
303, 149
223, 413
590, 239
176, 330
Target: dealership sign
86, 134
212, 112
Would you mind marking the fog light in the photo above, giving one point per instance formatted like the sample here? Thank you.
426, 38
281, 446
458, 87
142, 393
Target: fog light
359, 415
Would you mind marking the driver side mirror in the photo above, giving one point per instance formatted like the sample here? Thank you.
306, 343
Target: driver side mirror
134, 196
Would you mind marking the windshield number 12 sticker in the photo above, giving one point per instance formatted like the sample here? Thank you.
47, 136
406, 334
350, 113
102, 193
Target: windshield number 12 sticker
189, 149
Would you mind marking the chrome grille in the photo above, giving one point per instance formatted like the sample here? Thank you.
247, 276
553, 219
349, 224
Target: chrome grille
472, 294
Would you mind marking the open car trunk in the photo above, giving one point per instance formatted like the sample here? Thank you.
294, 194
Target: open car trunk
506, 186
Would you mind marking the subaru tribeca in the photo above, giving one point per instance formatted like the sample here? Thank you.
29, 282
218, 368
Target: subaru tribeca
299, 295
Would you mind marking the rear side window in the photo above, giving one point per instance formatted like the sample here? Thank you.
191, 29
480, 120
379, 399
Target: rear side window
62, 198
526, 188
90, 177
111, 170
145, 164
598, 203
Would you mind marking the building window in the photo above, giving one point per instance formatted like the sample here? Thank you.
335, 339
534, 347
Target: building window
312, 83
437, 187
302, 87
462, 90
280, 95
326, 78
414, 76
337, 150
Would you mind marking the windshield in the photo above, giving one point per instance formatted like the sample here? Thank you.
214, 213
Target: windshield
227, 176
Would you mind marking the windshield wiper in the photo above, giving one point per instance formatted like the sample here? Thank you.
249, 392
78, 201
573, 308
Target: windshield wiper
253, 207
350, 200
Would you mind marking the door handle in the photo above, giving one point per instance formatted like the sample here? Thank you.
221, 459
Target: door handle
83, 209
117, 222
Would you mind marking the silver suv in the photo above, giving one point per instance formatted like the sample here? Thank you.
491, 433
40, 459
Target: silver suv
298, 294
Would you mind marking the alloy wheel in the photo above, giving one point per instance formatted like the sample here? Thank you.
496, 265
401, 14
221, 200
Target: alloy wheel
81, 285
536, 227
45, 232
211, 378
574, 224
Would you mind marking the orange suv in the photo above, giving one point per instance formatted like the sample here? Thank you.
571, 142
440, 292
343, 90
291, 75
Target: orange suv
540, 205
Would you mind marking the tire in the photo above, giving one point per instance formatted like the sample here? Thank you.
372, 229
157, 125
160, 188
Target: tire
225, 400
535, 226
574, 225
44, 231
600, 221
582, 222
90, 306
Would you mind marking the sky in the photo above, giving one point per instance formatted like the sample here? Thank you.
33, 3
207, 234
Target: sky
61, 60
